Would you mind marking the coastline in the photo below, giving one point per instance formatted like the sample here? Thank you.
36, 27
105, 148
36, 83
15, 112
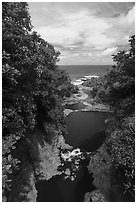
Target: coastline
84, 78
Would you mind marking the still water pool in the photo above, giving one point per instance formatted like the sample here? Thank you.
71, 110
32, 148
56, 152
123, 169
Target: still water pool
86, 130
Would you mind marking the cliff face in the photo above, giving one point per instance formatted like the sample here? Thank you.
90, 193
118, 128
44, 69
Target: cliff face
107, 163
42, 164
100, 166
44, 155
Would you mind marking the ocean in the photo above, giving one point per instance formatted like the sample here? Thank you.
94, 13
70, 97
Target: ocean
78, 72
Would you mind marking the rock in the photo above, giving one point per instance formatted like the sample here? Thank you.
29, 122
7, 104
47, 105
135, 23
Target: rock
45, 155
100, 165
43, 163
87, 197
68, 156
68, 172
67, 112
62, 144
94, 196
97, 196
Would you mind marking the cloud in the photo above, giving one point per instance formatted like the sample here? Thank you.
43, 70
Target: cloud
85, 32
128, 19
109, 51
122, 26
78, 28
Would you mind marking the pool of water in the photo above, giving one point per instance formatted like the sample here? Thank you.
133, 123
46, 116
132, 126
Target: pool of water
86, 129
59, 189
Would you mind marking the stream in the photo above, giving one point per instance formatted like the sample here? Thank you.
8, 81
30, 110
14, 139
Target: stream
86, 132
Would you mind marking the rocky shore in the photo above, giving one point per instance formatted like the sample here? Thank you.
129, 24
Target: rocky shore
83, 97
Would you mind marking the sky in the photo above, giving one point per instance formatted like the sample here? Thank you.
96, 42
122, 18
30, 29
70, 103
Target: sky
85, 33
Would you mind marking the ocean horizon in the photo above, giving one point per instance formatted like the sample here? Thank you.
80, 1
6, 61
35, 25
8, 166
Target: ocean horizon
76, 72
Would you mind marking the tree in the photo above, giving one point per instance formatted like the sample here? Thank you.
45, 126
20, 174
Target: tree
117, 88
119, 82
120, 93
32, 86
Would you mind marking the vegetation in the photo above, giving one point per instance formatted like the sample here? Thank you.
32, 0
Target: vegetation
33, 87
117, 88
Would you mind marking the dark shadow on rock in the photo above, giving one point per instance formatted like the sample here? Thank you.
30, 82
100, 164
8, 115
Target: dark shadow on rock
75, 106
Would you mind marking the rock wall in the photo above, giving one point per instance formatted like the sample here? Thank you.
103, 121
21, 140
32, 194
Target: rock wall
100, 166
42, 163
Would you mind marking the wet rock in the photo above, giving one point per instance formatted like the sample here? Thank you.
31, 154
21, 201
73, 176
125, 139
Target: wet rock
70, 155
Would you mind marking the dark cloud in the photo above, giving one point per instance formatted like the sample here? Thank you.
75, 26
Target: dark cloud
113, 9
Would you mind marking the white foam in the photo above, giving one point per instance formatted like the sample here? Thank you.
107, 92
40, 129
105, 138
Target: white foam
77, 82
81, 80
91, 76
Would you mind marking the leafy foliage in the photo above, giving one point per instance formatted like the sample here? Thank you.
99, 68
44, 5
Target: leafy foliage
33, 86
121, 146
120, 94
117, 89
